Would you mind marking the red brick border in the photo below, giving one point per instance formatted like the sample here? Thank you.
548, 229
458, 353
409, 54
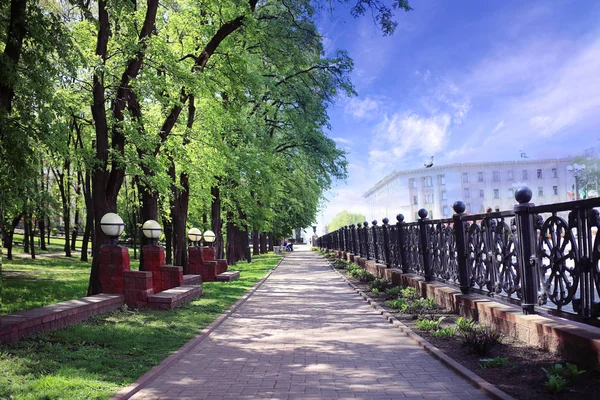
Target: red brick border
149, 376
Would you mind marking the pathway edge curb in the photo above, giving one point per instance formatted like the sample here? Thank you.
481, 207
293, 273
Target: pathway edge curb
141, 382
469, 375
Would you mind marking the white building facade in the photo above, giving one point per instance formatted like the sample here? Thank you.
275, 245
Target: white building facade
479, 185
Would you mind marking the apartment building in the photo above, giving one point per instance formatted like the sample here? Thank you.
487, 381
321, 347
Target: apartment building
478, 185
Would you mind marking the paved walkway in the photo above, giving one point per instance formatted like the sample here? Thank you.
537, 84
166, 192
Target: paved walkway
306, 335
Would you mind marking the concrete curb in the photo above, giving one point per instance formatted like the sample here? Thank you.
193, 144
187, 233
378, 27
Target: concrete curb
470, 376
149, 376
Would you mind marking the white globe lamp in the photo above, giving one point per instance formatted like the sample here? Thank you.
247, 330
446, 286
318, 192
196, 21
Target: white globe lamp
112, 226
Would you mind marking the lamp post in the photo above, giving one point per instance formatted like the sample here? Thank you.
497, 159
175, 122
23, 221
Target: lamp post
195, 235
575, 170
152, 230
209, 237
114, 259
112, 226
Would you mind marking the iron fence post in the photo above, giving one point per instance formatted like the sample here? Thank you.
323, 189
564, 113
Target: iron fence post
401, 256
366, 238
360, 252
423, 235
386, 242
464, 280
374, 228
352, 247
526, 254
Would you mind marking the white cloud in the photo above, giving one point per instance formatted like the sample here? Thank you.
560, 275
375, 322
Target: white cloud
498, 127
342, 140
364, 108
406, 134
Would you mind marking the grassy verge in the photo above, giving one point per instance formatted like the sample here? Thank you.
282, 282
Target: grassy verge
94, 359
31, 283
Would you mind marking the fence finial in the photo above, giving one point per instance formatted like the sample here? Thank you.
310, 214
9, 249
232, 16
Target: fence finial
423, 213
385, 221
459, 207
523, 195
399, 217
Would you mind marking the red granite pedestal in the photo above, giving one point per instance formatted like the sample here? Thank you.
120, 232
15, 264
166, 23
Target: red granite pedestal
114, 261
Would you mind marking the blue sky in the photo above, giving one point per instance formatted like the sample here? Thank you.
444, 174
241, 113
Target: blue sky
464, 81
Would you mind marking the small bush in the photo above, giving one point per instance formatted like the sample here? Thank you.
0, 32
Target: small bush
379, 284
394, 293
464, 324
555, 383
363, 275
420, 306
410, 293
429, 324
398, 304
493, 362
479, 339
375, 291
558, 377
444, 332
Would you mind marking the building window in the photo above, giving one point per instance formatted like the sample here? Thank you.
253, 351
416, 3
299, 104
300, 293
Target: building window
480, 177
446, 211
554, 173
465, 177
555, 190
511, 193
539, 174
509, 175
468, 207
466, 193
413, 183
444, 195
481, 193
496, 176
428, 181
540, 191
429, 199
442, 179
525, 174
496, 193
415, 200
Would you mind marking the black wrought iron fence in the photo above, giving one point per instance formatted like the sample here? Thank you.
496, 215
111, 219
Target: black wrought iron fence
530, 255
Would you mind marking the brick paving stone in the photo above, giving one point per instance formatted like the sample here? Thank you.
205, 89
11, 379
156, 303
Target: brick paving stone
304, 334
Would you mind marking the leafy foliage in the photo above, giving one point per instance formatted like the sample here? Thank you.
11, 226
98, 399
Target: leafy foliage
345, 218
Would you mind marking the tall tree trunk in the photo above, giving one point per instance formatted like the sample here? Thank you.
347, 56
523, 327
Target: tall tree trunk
216, 222
48, 230
25, 234
149, 210
231, 233
31, 235
263, 243
89, 216
17, 29
42, 212
168, 231
75, 229
255, 244
271, 240
10, 236
42, 229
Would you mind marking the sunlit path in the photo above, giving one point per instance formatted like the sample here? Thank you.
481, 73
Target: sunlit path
306, 335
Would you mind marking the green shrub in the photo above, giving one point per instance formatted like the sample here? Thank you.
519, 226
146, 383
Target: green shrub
379, 284
365, 276
493, 362
429, 324
394, 293
558, 377
444, 332
375, 291
479, 339
419, 306
398, 304
410, 293
555, 383
464, 324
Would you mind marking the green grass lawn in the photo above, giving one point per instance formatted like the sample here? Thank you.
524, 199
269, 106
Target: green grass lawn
94, 359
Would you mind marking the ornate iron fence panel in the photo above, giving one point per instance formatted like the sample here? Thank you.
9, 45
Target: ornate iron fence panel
505, 254
370, 244
413, 249
379, 243
393, 247
443, 251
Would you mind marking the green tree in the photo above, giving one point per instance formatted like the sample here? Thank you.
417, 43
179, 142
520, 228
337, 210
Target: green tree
345, 218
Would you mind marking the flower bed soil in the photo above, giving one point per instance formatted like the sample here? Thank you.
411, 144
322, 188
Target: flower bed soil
523, 378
